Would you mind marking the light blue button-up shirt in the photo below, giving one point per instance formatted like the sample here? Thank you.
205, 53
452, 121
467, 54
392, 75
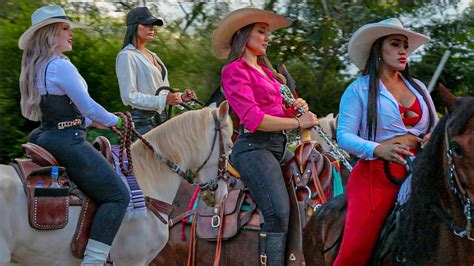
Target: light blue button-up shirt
352, 129
62, 78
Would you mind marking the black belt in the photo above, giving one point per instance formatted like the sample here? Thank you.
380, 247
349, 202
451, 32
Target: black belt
243, 130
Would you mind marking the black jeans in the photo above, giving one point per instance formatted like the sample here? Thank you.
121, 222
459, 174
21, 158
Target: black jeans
92, 173
145, 120
257, 157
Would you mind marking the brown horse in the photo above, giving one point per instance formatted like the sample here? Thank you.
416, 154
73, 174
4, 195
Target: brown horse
176, 251
434, 226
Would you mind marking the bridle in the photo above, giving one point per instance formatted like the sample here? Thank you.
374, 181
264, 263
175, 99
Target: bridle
125, 144
222, 165
457, 188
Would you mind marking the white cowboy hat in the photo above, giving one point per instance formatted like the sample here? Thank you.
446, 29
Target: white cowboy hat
362, 40
44, 16
238, 19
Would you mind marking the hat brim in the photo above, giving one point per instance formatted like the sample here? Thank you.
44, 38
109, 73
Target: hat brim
152, 21
235, 20
26, 36
362, 40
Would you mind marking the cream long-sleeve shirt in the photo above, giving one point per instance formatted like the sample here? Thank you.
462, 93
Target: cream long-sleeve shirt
139, 79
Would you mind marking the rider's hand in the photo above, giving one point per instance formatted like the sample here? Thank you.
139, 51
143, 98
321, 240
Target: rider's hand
391, 152
300, 103
308, 120
425, 140
188, 95
174, 98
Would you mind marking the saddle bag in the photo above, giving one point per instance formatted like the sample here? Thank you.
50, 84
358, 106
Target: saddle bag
209, 219
48, 207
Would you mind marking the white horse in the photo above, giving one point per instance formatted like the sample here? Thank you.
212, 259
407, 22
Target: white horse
186, 140
328, 124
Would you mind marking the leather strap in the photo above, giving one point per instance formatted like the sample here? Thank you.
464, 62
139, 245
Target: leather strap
157, 206
178, 218
317, 182
192, 244
217, 255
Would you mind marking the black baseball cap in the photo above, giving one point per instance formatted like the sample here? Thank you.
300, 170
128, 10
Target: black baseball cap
142, 15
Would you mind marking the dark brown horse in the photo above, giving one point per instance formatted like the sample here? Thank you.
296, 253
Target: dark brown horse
176, 251
434, 226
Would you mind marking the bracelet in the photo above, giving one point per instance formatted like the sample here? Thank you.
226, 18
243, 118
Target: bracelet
299, 122
119, 123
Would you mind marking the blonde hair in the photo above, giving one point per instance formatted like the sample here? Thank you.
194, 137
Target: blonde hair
36, 54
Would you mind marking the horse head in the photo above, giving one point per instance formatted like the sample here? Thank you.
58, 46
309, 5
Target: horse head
198, 141
459, 146
438, 216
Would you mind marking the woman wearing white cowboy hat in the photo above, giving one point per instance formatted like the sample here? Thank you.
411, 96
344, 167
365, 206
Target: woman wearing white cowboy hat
141, 72
382, 115
253, 91
53, 91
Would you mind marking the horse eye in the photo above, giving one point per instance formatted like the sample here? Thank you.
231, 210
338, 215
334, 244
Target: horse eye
457, 149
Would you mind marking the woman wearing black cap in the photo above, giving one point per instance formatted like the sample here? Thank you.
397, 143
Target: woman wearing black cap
141, 72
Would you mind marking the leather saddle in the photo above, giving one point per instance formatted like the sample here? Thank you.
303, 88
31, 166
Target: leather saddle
48, 207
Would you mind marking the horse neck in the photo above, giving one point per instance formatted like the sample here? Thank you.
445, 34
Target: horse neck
157, 180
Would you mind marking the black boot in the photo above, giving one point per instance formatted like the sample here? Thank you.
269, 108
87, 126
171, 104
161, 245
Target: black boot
271, 247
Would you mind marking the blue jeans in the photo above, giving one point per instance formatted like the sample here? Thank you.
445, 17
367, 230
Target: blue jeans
92, 173
257, 157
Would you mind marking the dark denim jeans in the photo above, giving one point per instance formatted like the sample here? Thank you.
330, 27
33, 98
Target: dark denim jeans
92, 173
257, 157
144, 120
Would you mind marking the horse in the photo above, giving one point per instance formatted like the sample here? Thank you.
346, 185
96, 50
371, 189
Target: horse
176, 251
328, 124
187, 140
434, 226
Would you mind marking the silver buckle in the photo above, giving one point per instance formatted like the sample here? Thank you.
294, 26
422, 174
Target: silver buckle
216, 221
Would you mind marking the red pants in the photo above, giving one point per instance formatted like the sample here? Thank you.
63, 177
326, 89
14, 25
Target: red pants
370, 196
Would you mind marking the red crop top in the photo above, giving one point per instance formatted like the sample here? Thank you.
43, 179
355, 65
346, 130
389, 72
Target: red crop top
416, 108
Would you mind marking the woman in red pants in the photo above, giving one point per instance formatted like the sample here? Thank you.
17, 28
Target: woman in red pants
382, 114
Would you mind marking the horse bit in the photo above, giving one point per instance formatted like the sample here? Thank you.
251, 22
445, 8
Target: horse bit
125, 144
457, 189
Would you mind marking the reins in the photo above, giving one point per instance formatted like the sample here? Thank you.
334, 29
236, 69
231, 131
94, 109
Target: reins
457, 188
128, 129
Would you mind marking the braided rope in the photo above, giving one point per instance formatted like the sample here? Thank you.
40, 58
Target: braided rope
125, 134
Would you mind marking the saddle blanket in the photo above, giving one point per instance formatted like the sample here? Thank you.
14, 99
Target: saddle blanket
136, 206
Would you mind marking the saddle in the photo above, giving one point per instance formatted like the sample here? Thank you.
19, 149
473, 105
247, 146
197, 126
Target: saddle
308, 176
48, 207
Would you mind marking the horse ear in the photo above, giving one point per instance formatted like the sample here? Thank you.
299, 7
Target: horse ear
447, 97
223, 111
213, 105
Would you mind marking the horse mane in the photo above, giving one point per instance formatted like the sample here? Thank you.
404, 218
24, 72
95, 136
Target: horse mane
178, 139
417, 234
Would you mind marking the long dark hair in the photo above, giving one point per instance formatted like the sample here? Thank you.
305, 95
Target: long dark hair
131, 35
372, 68
237, 49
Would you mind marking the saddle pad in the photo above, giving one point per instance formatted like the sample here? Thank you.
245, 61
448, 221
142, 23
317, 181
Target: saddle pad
136, 206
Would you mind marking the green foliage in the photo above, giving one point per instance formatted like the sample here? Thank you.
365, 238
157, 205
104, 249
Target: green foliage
314, 49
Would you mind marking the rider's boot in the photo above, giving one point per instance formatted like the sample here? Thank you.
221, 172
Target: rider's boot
272, 248
96, 253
